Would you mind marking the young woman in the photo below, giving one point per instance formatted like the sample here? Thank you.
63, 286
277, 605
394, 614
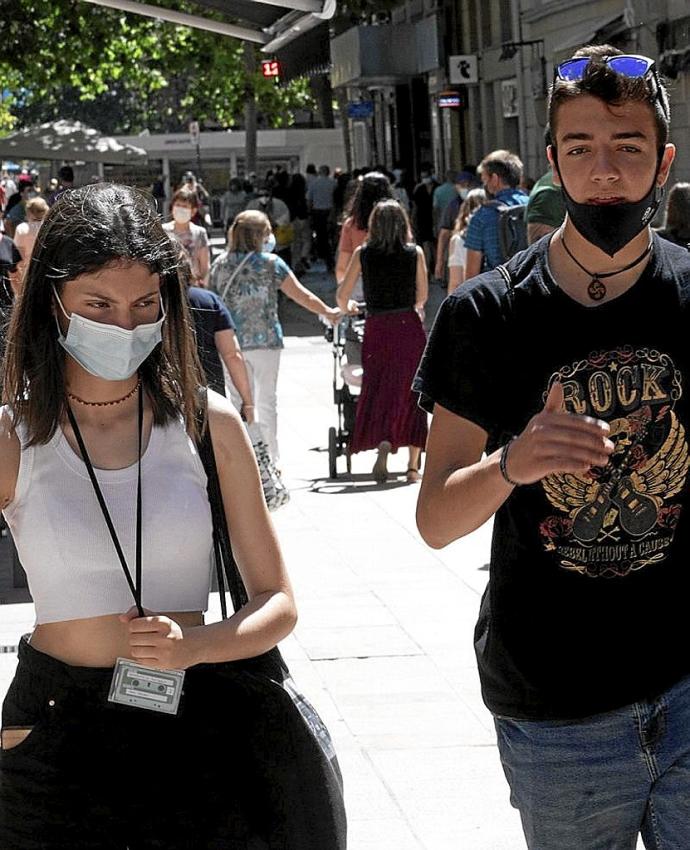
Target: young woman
372, 188
192, 237
457, 252
247, 277
395, 290
101, 373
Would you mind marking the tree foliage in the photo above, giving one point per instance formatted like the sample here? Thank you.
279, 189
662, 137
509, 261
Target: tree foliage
124, 73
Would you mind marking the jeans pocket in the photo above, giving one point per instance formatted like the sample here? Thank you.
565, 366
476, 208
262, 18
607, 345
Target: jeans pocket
35, 721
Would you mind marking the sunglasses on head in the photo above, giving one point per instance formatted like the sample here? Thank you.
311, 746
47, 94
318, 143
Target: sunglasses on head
628, 65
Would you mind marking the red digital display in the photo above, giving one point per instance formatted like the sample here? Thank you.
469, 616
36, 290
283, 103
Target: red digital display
270, 68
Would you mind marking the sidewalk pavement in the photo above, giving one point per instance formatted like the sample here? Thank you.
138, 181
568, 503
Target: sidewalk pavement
383, 647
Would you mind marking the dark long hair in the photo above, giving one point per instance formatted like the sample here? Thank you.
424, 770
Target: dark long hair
86, 230
371, 189
389, 227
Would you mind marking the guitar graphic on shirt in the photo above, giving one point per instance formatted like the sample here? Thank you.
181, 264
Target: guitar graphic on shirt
637, 513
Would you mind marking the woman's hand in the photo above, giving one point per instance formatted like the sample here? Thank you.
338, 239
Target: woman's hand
157, 641
352, 307
332, 315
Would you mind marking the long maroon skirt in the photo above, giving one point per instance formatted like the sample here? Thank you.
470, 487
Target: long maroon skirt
387, 408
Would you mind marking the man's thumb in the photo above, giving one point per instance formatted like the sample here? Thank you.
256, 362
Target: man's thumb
555, 398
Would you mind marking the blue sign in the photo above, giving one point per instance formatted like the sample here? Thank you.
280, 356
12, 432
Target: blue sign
360, 109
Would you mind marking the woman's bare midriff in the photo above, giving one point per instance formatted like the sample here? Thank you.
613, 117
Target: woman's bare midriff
95, 641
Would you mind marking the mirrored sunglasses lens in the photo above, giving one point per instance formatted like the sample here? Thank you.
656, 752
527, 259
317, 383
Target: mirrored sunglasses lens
573, 69
630, 66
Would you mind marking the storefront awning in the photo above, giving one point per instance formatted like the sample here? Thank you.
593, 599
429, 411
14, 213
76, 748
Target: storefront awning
270, 23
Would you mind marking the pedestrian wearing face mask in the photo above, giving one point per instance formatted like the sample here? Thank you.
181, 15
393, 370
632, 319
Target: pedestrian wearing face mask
192, 237
103, 488
500, 173
278, 214
15, 212
559, 384
248, 277
443, 195
26, 232
464, 182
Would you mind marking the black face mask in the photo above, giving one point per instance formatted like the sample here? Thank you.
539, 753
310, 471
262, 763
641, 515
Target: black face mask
611, 226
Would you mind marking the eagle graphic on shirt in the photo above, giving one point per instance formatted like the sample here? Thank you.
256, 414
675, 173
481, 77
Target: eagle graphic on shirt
622, 517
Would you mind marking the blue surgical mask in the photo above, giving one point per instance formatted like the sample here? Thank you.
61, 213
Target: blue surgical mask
108, 351
269, 244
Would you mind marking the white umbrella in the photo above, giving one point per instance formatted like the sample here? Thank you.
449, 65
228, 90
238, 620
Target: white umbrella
67, 140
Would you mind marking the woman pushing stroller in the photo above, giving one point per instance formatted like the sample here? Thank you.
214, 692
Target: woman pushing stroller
395, 284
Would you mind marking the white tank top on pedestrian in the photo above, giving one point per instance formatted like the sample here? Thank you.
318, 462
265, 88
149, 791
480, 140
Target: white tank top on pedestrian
67, 552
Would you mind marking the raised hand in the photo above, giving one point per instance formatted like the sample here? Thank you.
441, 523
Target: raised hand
557, 441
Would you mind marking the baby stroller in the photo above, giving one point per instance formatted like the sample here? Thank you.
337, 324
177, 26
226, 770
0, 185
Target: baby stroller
346, 338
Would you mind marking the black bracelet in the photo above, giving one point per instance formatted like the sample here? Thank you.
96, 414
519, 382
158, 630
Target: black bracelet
502, 465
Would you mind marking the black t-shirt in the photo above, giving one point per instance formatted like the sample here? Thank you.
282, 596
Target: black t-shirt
9, 257
587, 604
389, 279
210, 316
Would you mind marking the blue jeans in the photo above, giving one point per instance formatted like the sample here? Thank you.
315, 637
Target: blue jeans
597, 783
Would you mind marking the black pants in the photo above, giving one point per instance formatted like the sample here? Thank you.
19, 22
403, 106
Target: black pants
322, 224
93, 774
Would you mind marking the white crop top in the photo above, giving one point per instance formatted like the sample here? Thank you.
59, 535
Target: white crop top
66, 550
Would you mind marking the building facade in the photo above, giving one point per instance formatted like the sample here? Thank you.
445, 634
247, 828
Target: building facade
447, 81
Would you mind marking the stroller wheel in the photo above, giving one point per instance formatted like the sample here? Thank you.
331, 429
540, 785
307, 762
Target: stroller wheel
332, 453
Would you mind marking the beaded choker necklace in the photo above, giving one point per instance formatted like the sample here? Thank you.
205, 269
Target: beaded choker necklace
597, 289
105, 403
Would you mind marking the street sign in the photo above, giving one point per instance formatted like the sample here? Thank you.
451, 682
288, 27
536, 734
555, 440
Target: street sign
449, 100
360, 109
270, 68
194, 132
463, 69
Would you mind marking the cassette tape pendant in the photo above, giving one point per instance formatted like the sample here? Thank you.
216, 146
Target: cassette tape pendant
145, 687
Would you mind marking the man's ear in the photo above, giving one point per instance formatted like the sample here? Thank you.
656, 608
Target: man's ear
666, 162
551, 156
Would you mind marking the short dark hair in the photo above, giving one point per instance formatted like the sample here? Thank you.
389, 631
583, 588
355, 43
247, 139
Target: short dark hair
66, 172
86, 230
507, 165
185, 196
601, 81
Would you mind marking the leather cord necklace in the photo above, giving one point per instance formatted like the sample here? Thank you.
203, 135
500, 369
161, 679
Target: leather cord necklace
597, 289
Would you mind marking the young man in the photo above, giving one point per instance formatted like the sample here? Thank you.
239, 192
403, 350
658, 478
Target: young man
500, 173
560, 399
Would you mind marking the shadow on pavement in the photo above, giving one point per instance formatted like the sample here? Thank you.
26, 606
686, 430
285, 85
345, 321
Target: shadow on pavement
355, 483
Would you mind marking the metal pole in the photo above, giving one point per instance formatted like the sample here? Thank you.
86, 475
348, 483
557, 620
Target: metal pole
183, 19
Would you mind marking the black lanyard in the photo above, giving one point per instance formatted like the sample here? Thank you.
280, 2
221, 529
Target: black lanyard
135, 588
